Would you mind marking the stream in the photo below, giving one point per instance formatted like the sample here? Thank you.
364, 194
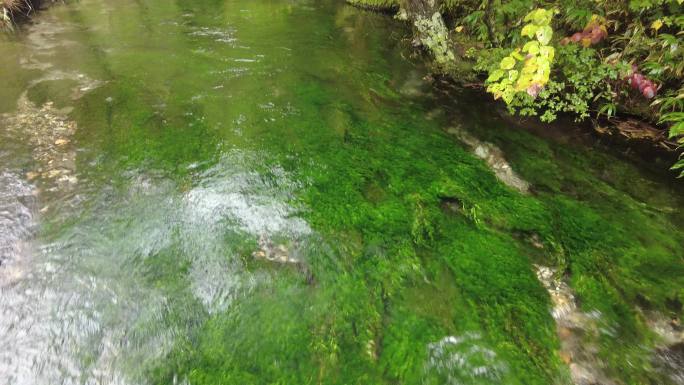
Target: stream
276, 192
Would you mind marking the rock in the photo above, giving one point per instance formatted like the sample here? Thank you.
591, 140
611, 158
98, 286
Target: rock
669, 356
69, 179
494, 158
53, 173
565, 357
668, 329
401, 15
278, 253
670, 360
31, 175
581, 376
536, 241
61, 142
564, 332
434, 36
572, 325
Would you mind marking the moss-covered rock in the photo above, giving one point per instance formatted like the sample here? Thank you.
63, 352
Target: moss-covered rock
376, 5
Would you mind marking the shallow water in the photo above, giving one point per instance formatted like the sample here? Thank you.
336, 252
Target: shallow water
237, 192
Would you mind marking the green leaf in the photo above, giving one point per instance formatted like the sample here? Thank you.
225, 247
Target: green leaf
516, 55
495, 75
507, 63
529, 30
531, 65
548, 52
539, 16
508, 95
672, 117
677, 130
512, 75
544, 34
523, 82
531, 47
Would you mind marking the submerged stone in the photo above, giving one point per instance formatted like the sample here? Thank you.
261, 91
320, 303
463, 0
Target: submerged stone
494, 158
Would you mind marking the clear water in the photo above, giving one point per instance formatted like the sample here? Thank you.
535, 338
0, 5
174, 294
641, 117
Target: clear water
238, 192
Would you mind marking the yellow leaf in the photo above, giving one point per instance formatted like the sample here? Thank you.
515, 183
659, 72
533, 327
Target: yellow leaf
656, 25
516, 54
529, 30
548, 52
531, 47
459, 28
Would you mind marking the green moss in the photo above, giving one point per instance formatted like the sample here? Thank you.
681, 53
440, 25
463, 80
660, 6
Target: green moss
380, 5
613, 229
401, 273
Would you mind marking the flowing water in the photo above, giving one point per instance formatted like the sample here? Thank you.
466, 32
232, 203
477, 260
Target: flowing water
272, 192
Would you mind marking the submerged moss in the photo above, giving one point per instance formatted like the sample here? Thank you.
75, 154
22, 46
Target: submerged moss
400, 273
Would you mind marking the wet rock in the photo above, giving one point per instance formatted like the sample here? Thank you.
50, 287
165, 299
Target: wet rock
586, 368
278, 253
451, 205
536, 241
669, 329
283, 254
494, 158
668, 358
670, 361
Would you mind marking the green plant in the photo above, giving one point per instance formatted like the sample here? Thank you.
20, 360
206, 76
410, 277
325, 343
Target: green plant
671, 109
526, 69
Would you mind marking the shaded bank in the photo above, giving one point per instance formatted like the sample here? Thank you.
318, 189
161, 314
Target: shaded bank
588, 82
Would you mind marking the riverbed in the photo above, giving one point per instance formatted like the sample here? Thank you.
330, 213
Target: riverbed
277, 192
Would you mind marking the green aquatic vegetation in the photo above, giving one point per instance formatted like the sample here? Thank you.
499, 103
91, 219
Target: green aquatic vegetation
366, 189
619, 252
